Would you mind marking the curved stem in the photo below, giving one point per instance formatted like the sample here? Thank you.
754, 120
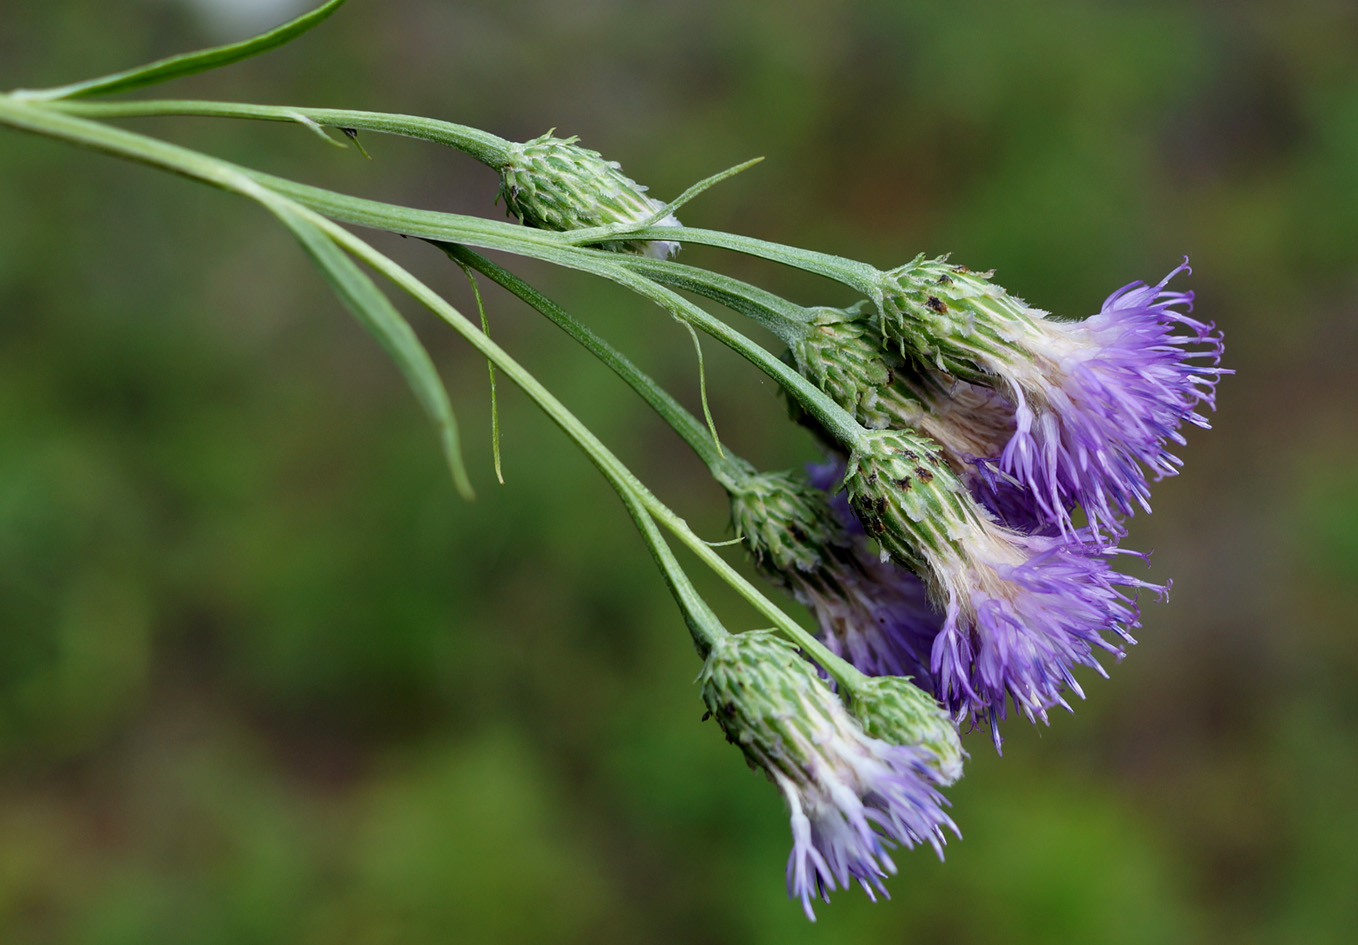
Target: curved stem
535, 244
727, 469
857, 275
42, 120
489, 149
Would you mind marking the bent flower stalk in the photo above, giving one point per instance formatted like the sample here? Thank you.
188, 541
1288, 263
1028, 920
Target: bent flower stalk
959, 559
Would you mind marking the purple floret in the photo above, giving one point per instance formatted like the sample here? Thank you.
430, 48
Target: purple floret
1099, 401
872, 797
1016, 631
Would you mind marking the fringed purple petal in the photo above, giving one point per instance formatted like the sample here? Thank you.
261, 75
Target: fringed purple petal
844, 821
1016, 632
1110, 395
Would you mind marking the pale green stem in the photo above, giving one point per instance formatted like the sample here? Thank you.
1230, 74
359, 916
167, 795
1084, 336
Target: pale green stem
489, 149
44, 121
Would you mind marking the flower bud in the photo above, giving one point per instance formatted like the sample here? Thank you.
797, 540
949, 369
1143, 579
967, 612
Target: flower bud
554, 184
872, 613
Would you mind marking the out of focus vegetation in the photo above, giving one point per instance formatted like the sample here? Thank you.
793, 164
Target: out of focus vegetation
265, 678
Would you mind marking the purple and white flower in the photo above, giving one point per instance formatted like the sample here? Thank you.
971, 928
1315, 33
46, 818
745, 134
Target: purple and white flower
1097, 403
1020, 613
852, 797
1093, 406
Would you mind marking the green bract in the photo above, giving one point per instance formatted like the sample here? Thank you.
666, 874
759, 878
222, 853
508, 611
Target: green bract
554, 184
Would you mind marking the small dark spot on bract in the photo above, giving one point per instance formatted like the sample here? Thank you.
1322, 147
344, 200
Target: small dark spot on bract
945, 279
706, 716
904, 483
924, 474
936, 304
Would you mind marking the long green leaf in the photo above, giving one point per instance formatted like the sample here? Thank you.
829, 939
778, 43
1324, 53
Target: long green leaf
379, 315
189, 63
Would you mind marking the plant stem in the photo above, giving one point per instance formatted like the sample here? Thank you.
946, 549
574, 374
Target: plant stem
40, 119
489, 149
727, 469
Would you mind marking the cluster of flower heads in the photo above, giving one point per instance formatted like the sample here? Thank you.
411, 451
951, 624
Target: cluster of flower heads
993, 423
959, 549
944, 545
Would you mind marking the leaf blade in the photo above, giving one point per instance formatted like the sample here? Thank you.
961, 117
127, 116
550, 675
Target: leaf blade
174, 67
377, 313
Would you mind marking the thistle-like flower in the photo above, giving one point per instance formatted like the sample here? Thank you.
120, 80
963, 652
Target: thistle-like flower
1019, 611
554, 184
1094, 403
853, 796
871, 612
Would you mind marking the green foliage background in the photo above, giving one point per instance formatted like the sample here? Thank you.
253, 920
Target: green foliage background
264, 678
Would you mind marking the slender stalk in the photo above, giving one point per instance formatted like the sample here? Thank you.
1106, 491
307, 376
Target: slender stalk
727, 469
857, 275
535, 244
489, 149
42, 120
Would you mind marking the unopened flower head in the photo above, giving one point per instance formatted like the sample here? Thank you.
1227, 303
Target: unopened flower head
555, 184
842, 354
845, 355
1019, 611
1096, 403
852, 796
897, 711
872, 613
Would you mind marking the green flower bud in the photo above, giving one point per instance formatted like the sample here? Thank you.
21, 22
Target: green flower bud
872, 613
554, 184
897, 711
845, 355
909, 499
842, 354
786, 523
954, 319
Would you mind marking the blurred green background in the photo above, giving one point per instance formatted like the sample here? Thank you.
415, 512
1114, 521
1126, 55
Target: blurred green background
265, 678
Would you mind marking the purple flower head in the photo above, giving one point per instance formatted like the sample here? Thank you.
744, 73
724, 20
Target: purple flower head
852, 797
1021, 612
1098, 402
865, 798
1090, 407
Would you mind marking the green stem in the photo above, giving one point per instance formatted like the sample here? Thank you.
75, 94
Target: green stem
600, 455
703, 624
535, 244
786, 320
489, 149
728, 470
44, 121
857, 275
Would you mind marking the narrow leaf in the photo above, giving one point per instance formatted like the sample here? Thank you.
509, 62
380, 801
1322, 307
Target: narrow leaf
361, 295
490, 366
702, 388
189, 63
